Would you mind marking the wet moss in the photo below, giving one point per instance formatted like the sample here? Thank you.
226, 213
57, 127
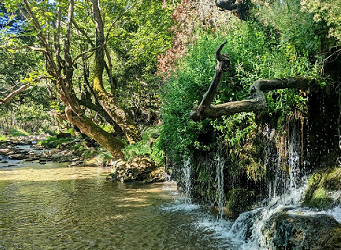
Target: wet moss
239, 200
322, 186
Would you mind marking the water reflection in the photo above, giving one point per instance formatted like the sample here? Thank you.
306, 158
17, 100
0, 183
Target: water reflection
54, 207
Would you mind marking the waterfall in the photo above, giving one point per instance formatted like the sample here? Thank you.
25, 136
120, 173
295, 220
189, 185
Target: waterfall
187, 180
294, 170
219, 162
287, 184
285, 191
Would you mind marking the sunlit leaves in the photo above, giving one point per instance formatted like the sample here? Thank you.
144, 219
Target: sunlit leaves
326, 10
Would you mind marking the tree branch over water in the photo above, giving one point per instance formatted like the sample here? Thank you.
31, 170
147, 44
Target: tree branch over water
257, 100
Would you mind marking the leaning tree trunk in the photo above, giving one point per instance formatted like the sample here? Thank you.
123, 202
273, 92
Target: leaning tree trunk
88, 127
106, 100
62, 72
256, 102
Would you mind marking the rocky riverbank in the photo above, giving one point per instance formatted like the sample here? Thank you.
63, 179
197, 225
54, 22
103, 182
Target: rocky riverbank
77, 152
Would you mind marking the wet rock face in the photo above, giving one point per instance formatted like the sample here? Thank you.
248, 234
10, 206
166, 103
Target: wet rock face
324, 189
238, 201
298, 232
139, 169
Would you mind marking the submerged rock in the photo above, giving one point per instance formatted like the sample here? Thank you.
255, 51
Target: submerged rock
42, 160
20, 156
300, 232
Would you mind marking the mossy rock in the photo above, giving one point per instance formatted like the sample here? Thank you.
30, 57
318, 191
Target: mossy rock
299, 232
94, 161
239, 200
323, 190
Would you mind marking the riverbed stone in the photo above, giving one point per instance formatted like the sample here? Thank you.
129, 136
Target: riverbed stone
5, 151
42, 160
76, 163
286, 231
20, 156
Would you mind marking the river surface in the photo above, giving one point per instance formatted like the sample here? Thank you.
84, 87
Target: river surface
53, 206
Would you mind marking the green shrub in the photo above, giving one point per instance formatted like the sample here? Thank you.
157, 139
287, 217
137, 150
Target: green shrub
53, 142
255, 52
148, 146
17, 132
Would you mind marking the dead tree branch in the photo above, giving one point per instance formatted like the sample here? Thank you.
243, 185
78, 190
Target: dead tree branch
256, 102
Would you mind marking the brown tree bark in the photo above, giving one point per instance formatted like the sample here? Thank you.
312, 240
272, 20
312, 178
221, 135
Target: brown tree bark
106, 99
10, 96
256, 102
62, 71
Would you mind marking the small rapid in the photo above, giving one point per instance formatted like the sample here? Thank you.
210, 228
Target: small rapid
249, 231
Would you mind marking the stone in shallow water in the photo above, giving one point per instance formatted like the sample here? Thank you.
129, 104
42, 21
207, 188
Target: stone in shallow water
18, 156
139, 169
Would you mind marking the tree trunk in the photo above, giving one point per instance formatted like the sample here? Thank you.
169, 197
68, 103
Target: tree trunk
106, 100
256, 102
88, 127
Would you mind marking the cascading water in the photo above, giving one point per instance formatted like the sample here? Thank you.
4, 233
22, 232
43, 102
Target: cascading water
249, 227
219, 162
187, 180
250, 230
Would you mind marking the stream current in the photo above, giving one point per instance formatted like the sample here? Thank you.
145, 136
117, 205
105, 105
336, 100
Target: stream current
53, 206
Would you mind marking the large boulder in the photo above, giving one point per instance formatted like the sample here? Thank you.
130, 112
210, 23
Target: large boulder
139, 169
286, 231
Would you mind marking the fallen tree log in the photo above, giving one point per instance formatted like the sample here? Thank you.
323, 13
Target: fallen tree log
257, 101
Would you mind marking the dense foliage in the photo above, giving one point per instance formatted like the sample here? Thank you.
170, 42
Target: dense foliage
134, 40
281, 39
255, 52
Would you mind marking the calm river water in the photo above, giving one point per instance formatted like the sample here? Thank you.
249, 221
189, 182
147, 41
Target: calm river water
53, 206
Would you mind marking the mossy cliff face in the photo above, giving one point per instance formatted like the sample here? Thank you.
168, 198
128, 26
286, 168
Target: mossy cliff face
239, 200
265, 156
324, 189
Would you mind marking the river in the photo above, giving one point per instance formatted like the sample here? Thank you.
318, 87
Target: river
53, 206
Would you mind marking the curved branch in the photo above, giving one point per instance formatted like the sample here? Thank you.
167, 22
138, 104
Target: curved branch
256, 102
